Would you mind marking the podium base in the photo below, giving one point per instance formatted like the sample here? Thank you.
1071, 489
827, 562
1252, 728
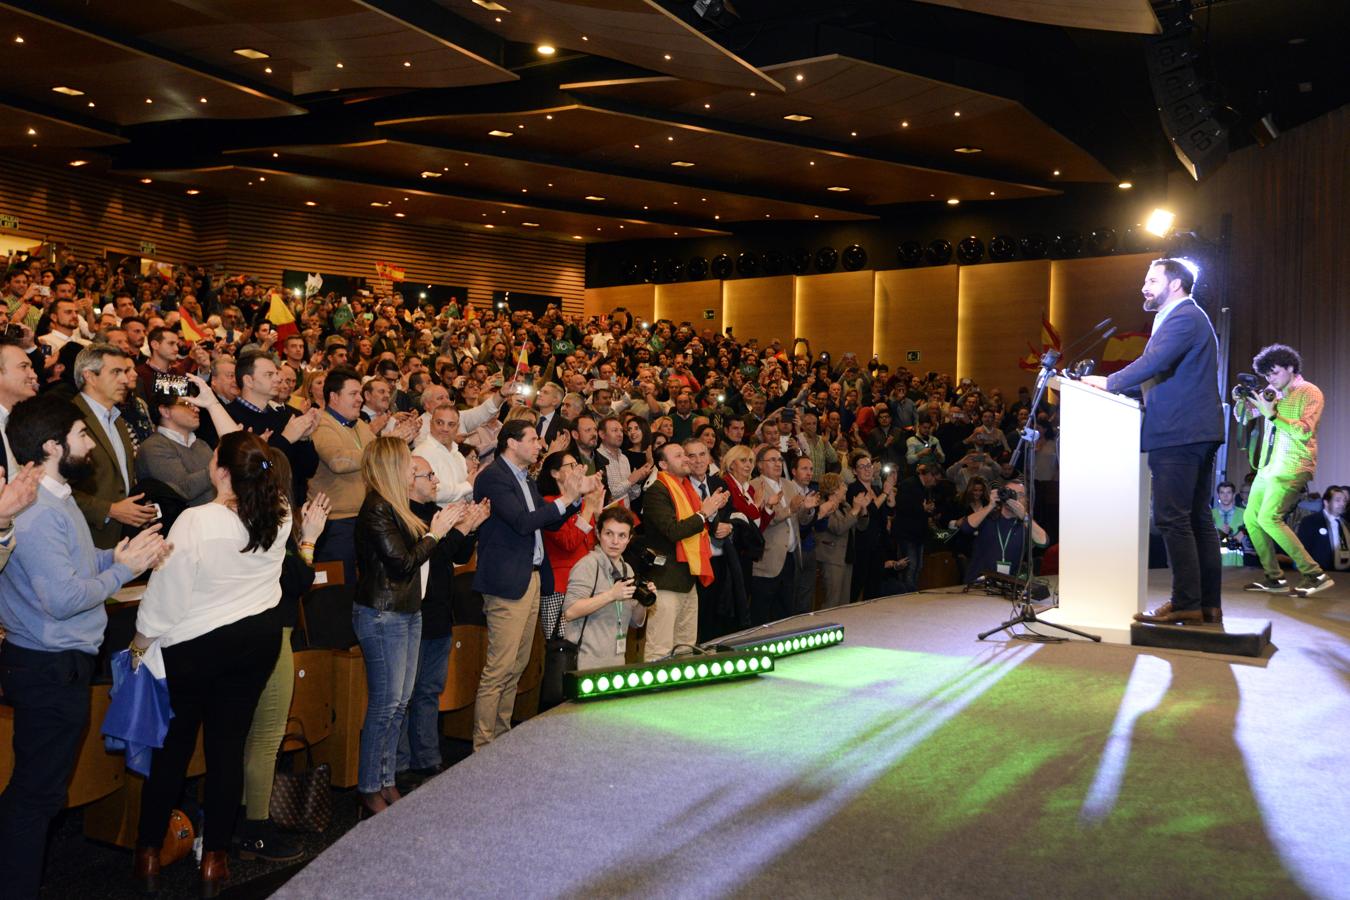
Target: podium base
1237, 637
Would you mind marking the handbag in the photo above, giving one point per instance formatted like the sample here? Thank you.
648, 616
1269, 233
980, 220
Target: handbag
178, 840
560, 657
301, 801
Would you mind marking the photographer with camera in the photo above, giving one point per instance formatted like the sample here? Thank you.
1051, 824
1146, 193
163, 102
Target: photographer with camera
999, 532
603, 595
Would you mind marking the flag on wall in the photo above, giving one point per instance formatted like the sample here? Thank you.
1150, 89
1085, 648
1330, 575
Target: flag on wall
189, 329
1049, 341
281, 317
1122, 349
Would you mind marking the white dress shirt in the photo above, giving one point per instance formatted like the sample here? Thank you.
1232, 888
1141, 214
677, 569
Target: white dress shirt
452, 470
107, 419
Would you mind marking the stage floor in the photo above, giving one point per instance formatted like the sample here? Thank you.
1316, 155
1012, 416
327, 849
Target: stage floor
911, 760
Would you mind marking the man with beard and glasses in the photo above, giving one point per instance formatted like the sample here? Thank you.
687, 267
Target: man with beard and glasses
52, 596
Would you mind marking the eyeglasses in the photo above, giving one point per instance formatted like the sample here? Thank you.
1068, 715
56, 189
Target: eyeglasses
430, 475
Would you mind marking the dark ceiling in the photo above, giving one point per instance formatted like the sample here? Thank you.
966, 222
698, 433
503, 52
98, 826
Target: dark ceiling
648, 121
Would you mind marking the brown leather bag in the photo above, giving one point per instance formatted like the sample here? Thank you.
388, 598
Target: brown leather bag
301, 801
178, 839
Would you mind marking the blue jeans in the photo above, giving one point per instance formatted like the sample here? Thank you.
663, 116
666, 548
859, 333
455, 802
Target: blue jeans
419, 746
389, 643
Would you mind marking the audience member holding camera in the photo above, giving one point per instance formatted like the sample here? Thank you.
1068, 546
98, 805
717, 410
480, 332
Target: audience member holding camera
999, 532
174, 455
600, 604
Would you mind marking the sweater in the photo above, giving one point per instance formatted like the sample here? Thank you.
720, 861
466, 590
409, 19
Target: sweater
339, 470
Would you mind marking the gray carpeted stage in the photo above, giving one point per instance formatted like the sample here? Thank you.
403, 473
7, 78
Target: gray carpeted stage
910, 761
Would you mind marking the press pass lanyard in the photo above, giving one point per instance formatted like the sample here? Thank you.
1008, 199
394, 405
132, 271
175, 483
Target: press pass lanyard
1004, 565
620, 633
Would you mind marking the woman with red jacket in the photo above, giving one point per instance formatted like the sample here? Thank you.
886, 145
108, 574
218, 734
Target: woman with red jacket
575, 538
738, 466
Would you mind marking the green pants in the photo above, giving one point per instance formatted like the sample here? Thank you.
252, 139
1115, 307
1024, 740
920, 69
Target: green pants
1271, 499
269, 727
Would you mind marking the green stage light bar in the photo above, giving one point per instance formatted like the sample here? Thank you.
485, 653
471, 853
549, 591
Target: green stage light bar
682, 671
786, 643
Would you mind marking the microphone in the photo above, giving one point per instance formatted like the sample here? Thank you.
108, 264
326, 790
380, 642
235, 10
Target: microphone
1085, 366
1088, 339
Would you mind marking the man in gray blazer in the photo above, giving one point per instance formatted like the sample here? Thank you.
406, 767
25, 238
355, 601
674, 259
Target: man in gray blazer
774, 575
1178, 378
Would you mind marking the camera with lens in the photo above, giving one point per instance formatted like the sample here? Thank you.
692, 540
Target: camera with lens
646, 560
174, 386
1247, 387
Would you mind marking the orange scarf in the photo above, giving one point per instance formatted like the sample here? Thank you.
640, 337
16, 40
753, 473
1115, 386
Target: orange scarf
695, 550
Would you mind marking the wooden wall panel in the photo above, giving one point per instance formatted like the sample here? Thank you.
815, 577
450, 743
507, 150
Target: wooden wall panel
1085, 291
835, 312
999, 311
640, 299
759, 307
916, 309
686, 302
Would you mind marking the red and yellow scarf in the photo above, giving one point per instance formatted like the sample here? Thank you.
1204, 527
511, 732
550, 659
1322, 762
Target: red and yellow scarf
695, 550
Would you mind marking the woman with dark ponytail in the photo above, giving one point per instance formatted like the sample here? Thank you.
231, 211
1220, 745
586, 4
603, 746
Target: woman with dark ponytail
212, 609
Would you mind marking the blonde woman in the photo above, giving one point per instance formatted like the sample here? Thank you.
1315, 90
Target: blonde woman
738, 468
393, 547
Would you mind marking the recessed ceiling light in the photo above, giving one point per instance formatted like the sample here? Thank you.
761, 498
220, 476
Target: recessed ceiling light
400, 215
489, 225
262, 177
718, 216
991, 193
91, 104
79, 162
250, 53
407, 64
667, 57
491, 6
524, 190
816, 216
853, 134
753, 94
670, 137
584, 38
637, 146
549, 116
530, 224
267, 71
905, 123
969, 149
683, 164
430, 174
676, 233
497, 132
1125, 185
838, 188
546, 49
577, 237
797, 117
707, 106
146, 180
1055, 173
377, 203
310, 203
957, 114
192, 192
766, 215
18, 39
32, 132
800, 76
202, 99
148, 100
952, 201
593, 197
811, 163
341, 66
68, 91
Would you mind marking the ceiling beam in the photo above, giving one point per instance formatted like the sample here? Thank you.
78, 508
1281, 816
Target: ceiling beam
36, 10
446, 28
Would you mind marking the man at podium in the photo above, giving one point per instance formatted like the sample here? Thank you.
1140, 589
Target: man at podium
1177, 377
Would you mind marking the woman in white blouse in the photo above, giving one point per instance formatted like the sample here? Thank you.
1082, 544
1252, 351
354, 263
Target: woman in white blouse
212, 607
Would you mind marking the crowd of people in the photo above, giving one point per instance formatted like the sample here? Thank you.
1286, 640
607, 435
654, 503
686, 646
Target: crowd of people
610, 473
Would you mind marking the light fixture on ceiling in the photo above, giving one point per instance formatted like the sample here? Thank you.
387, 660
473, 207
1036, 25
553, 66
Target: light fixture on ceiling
250, 53
68, 91
378, 203
718, 216
837, 188
952, 201
407, 64
524, 190
1055, 173
430, 174
815, 216
797, 117
667, 57
546, 49
530, 224
957, 114
146, 180
32, 132
201, 99
148, 100
18, 39
91, 104
275, 155
262, 177
310, 203
904, 123
707, 106
489, 225
991, 193
593, 197
800, 76
267, 71
853, 134
577, 237
969, 149
1125, 185
497, 132
1160, 222
683, 164
753, 94
341, 66
79, 162
491, 6
548, 116
192, 192
400, 215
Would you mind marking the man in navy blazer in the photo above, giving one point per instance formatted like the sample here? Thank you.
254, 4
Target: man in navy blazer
1178, 378
512, 569
1326, 535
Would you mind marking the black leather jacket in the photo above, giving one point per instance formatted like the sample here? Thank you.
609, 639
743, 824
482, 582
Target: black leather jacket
388, 560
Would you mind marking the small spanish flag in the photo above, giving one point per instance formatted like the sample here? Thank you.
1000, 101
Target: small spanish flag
1121, 350
523, 363
282, 319
1049, 341
189, 329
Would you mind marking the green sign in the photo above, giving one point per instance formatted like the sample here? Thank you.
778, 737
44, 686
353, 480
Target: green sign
709, 314
11, 222
911, 356
147, 248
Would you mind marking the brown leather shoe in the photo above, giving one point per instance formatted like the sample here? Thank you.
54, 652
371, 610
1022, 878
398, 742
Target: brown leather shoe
1213, 615
215, 872
145, 869
1166, 615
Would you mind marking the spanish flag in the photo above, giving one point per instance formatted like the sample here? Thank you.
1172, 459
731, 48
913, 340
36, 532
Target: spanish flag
189, 329
1049, 341
282, 319
1122, 349
523, 363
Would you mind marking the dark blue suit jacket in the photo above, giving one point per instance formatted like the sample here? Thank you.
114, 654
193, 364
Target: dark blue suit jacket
506, 539
1182, 357
1316, 539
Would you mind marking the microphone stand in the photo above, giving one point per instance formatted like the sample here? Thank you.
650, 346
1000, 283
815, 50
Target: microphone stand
1024, 612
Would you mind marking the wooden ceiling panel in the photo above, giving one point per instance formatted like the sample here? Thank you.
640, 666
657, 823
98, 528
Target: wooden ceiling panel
1101, 15
639, 32
26, 130
354, 197
864, 105
763, 166
538, 183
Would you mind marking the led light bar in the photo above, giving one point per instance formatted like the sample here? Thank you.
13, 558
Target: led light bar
683, 671
786, 643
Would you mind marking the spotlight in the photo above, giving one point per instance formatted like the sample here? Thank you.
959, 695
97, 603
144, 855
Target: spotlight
786, 643
970, 250
1160, 222
687, 671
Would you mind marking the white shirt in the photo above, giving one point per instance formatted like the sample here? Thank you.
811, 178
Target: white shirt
1166, 311
11, 464
178, 438
58, 489
470, 420
451, 468
56, 340
206, 583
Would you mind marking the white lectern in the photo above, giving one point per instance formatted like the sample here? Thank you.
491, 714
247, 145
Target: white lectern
1103, 512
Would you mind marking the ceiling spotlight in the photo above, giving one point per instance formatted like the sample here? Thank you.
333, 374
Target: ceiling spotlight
91, 104
1125, 185
952, 201
430, 174
800, 76
839, 189
530, 224
797, 117
250, 53
577, 237
489, 225
32, 132
667, 57
192, 192
202, 99
707, 106
406, 64
904, 124
146, 180
546, 49
79, 162
957, 114
491, 6
991, 193
340, 66
310, 203
670, 137
18, 39
853, 134
148, 100
378, 203
262, 177
683, 164
969, 149
68, 91
497, 132
399, 215
1055, 173
593, 197
1160, 222
267, 71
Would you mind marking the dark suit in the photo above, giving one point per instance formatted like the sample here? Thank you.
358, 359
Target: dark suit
556, 425
1178, 376
105, 485
1317, 538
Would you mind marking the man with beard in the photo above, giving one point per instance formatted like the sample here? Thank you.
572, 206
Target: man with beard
52, 596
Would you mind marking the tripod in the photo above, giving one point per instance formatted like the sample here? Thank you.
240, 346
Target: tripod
1024, 613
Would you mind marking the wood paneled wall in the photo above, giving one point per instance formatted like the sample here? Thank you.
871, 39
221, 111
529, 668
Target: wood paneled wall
1000, 309
1085, 291
688, 301
639, 299
835, 312
916, 309
759, 307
